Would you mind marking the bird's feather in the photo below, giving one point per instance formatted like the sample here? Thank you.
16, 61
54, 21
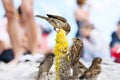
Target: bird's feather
57, 17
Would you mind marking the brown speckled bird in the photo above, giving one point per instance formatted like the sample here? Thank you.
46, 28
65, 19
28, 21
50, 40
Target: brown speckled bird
79, 69
74, 55
57, 22
45, 65
93, 71
75, 51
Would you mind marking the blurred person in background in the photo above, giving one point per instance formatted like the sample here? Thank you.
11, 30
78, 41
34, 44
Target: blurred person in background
82, 15
42, 47
6, 49
115, 43
6, 52
116, 36
94, 43
16, 35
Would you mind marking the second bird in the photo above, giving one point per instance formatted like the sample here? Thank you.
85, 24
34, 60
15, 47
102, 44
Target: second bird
46, 65
93, 71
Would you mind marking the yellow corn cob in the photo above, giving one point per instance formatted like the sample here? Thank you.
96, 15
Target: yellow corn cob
60, 47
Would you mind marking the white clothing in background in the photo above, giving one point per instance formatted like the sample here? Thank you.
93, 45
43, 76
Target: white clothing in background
4, 36
96, 46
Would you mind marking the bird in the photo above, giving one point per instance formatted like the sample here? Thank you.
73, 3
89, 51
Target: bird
65, 69
46, 64
75, 51
58, 22
74, 55
79, 69
93, 71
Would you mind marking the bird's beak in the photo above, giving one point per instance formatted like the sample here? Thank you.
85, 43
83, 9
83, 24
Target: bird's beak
39, 16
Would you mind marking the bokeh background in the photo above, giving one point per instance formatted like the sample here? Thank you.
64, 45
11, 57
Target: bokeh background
104, 13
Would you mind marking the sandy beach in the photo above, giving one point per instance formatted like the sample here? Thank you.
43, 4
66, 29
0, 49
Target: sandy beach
29, 70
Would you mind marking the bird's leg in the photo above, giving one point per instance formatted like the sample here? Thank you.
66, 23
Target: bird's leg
48, 75
39, 75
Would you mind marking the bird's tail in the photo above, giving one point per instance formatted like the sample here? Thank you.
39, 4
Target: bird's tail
39, 75
42, 17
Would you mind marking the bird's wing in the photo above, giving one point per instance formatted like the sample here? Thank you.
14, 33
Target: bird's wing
78, 54
57, 17
75, 55
80, 64
42, 17
42, 62
97, 72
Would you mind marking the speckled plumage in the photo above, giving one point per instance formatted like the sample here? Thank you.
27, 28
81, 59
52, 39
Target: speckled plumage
93, 71
74, 55
76, 51
79, 69
45, 65
57, 22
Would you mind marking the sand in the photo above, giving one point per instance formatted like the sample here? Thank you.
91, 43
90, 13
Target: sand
29, 70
